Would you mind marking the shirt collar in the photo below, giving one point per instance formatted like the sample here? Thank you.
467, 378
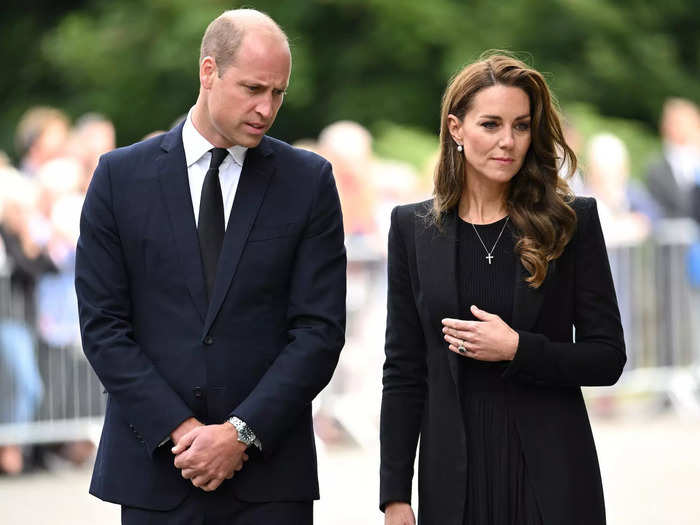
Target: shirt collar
196, 145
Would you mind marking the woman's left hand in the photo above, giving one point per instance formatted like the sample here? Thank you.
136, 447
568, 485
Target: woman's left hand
488, 339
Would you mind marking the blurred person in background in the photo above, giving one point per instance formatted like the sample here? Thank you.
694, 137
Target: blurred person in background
56, 225
60, 183
25, 260
486, 284
573, 138
42, 135
4, 159
369, 187
626, 209
627, 213
92, 136
348, 146
210, 274
674, 181
395, 183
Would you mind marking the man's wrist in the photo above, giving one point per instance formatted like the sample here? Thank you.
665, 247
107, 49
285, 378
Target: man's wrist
245, 433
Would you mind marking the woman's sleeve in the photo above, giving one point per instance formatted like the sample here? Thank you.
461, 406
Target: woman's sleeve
405, 371
598, 355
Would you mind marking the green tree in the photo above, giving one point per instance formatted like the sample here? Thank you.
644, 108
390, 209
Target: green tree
373, 61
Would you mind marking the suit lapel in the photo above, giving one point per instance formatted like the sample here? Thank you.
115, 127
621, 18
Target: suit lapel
172, 174
256, 174
436, 261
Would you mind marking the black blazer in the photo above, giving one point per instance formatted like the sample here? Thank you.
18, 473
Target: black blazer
421, 380
261, 349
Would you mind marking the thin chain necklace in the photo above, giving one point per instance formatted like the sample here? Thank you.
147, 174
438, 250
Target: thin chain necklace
490, 257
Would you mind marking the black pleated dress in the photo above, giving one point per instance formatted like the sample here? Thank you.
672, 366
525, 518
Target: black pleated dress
498, 489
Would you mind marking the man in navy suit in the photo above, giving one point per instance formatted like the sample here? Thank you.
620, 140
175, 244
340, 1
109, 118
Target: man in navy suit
211, 284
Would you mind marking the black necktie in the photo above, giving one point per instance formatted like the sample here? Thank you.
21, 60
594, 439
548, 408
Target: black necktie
211, 218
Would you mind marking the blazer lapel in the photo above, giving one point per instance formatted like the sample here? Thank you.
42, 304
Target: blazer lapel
256, 174
172, 174
436, 260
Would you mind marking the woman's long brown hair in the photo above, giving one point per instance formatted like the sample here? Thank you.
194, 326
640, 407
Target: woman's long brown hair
537, 198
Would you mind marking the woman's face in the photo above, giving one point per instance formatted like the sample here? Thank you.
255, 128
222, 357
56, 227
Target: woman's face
495, 133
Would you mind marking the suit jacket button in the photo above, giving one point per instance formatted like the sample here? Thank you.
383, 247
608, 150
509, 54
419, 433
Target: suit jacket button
208, 340
197, 392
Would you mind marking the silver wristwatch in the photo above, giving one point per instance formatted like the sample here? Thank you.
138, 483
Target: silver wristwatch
245, 434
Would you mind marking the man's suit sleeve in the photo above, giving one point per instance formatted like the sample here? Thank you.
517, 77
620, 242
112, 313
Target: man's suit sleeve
316, 320
150, 406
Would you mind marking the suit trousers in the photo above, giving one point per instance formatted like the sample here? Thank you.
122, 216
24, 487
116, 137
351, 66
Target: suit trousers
209, 508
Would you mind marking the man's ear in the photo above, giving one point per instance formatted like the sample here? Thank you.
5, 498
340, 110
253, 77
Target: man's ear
207, 72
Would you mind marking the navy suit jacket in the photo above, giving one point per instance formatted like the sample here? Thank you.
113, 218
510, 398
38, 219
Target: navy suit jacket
262, 348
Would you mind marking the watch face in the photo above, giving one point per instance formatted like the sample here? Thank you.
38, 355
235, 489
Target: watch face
245, 435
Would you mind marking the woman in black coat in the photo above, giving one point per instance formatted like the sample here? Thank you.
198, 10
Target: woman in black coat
488, 282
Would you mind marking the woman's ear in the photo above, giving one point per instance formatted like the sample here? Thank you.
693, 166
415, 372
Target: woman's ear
454, 125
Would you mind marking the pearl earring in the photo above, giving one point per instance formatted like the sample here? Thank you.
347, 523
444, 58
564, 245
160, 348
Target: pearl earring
460, 148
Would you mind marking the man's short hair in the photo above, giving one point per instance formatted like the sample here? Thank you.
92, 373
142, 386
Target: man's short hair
225, 33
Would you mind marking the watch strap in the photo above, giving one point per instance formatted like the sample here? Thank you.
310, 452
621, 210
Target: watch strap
245, 433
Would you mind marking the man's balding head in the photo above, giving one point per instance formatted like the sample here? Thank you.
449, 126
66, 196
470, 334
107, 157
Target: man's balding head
223, 37
244, 73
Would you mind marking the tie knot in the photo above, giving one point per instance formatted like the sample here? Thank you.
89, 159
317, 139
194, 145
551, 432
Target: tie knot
217, 157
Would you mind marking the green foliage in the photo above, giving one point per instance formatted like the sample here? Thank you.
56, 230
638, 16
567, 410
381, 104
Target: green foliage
134, 61
409, 144
371, 61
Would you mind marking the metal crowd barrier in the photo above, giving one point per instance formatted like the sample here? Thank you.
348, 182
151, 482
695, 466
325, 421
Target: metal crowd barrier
660, 312
64, 403
659, 307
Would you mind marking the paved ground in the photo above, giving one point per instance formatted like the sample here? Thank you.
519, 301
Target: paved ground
651, 472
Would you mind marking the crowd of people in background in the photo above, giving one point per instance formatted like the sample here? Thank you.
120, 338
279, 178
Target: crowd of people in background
40, 202
41, 198
672, 181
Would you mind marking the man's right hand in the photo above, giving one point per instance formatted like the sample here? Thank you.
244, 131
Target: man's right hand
399, 513
210, 454
183, 428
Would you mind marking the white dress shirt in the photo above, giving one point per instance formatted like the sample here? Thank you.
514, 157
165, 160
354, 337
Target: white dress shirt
197, 157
